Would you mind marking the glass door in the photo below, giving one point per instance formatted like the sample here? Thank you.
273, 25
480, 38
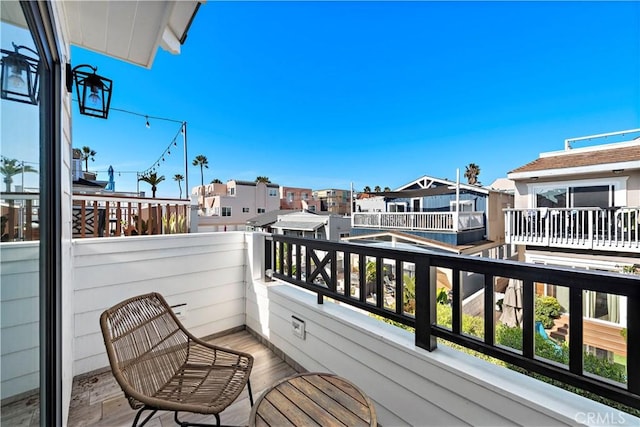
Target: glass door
20, 216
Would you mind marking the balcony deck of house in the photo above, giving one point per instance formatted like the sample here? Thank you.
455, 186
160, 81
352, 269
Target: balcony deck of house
254, 281
97, 399
98, 215
613, 229
419, 221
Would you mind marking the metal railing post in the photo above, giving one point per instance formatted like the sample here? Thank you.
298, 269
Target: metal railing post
425, 305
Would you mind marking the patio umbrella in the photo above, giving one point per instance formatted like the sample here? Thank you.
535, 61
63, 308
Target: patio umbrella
512, 304
111, 185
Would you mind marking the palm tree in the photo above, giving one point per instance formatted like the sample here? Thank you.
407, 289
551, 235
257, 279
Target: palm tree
12, 167
367, 189
387, 189
179, 178
88, 153
472, 173
216, 181
377, 189
264, 179
152, 179
201, 161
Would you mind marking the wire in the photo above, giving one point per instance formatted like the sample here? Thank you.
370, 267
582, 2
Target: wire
166, 151
145, 115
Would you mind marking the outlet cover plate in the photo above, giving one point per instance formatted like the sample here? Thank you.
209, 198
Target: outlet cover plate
297, 327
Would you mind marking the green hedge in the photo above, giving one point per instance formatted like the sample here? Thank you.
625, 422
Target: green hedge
546, 309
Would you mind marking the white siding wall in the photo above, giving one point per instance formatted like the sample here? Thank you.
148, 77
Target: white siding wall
408, 385
204, 270
20, 310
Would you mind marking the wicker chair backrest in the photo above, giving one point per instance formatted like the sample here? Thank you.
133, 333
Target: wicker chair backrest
145, 343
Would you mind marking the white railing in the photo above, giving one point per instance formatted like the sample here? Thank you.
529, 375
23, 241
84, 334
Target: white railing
109, 216
423, 221
613, 229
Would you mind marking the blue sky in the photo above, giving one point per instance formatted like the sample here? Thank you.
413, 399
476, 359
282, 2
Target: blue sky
325, 94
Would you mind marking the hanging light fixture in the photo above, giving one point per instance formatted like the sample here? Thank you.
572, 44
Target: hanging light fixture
148, 125
93, 91
19, 76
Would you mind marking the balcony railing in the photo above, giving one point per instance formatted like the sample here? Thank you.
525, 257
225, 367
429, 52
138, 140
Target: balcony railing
402, 286
615, 229
110, 216
422, 221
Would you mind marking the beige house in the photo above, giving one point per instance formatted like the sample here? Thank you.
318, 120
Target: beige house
334, 200
580, 207
298, 199
227, 207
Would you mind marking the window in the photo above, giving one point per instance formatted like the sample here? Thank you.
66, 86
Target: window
312, 208
289, 196
396, 207
599, 194
551, 198
231, 191
226, 211
465, 206
305, 196
273, 192
245, 210
260, 210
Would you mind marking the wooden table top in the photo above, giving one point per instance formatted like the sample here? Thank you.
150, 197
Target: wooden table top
311, 399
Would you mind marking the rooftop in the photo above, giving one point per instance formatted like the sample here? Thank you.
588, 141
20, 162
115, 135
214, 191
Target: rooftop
609, 155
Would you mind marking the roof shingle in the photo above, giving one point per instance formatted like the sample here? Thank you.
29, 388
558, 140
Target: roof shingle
587, 158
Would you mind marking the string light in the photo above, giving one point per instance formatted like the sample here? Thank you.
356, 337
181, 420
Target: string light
182, 131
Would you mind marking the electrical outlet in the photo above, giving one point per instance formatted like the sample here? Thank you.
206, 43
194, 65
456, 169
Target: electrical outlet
180, 310
297, 327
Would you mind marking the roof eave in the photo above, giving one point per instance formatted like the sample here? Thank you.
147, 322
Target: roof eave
608, 167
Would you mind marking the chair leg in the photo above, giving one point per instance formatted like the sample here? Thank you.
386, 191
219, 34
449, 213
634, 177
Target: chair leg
186, 423
250, 393
144, 408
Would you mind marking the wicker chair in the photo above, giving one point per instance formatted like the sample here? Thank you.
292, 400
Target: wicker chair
161, 366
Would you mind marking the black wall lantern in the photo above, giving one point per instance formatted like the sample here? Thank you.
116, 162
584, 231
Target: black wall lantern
93, 91
19, 76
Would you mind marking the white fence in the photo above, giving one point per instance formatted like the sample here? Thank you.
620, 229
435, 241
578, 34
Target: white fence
615, 229
423, 221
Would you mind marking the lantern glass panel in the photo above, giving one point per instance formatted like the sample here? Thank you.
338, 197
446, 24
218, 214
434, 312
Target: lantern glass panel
19, 77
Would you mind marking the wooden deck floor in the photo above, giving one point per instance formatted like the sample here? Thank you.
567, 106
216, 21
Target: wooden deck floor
97, 400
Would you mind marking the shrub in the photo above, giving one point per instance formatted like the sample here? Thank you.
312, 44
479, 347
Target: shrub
512, 337
604, 368
442, 297
546, 309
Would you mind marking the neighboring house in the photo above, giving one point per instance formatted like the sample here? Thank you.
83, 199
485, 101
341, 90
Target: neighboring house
263, 222
367, 202
298, 199
334, 201
227, 207
436, 209
84, 182
322, 225
580, 207
436, 215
